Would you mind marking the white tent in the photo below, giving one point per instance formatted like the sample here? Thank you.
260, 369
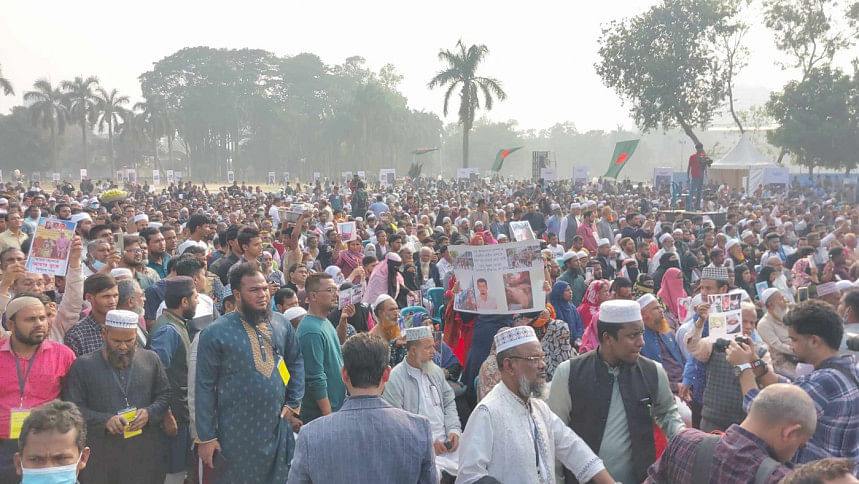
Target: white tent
732, 168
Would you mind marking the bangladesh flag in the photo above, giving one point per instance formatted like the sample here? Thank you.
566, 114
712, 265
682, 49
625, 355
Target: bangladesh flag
623, 151
415, 170
423, 151
501, 156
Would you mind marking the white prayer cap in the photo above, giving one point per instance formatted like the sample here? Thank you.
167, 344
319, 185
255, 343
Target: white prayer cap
620, 311
678, 231
746, 234
4, 201
121, 273
294, 312
155, 225
141, 216
418, 333
120, 318
382, 298
80, 217
581, 254
575, 205
844, 285
644, 301
768, 293
827, 288
602, 242
663, 237
731, 243
512, 337
569, 255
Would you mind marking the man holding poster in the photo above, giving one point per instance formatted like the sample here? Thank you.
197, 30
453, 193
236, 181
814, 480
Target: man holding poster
49, 252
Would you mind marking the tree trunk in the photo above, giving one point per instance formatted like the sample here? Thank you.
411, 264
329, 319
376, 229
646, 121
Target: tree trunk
687, 129
155, 152
465, 130
110, 148
55, 154
170, 151
83, 133
731, 107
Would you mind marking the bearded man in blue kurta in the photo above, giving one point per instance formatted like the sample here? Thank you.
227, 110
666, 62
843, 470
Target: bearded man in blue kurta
249, 385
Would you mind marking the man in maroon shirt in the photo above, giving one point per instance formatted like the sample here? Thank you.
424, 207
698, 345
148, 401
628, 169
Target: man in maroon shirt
695, 173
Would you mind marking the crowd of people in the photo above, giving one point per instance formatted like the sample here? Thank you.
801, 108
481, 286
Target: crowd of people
236, 335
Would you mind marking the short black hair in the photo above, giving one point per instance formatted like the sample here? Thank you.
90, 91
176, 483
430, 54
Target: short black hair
239, 271
173, 298
245, 236
188, 266
96, 229
58, 416
97, 283
148, 232
196, 221
814, 317
607, 328
282, 295
851, 300
365, 358
368, 259
314, 280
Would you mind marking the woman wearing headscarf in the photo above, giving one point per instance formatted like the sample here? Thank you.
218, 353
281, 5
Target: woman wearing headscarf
554, 336
643, 285
560, 298
349, 259
335, 274
485, 327
691, 271
597, 293
666, 261
803, 273
386, 279
743, 280
669, 295
488, 239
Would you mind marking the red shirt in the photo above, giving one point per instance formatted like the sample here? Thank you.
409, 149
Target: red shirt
43, 384
695, 168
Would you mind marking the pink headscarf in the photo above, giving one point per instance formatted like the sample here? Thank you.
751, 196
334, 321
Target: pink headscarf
378, 282
800, 278
671, 290
488, 239
589, 309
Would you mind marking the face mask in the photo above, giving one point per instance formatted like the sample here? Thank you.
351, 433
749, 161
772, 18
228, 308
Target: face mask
98, 265
51, 475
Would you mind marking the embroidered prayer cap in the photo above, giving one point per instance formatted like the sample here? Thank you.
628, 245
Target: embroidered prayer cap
569, 255
20, 303
620, 311
418, 333
379, 300
768, 293
141, 216
120, 318
645, 300
746, 234
602, 242
179, 283
827, 288
513, 337
294, 312
575, 205
80, 216
121, 273
715, 273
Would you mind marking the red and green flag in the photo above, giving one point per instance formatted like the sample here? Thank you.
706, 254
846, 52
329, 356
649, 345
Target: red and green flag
415, 170
623, 151
502, 155
423, 151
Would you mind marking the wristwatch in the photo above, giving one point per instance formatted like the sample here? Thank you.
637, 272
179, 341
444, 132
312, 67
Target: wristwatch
738, 369
759, 363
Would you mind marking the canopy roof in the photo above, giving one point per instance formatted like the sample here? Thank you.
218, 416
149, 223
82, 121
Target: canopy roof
742, 156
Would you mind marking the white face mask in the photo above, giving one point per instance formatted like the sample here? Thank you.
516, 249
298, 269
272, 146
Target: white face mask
51, 475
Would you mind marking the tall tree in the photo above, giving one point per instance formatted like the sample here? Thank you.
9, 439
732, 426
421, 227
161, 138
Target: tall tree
154, 114
110, 112
49, 112
735, 56
665, 63
80, 100
461, 72
6, 85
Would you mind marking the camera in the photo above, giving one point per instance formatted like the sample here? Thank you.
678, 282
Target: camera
705, 161
743, 339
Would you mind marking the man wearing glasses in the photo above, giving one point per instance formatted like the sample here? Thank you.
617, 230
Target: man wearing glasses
324, 390
132, 259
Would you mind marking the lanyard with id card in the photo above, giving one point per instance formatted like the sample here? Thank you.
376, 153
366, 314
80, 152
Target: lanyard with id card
281, 364
128, 413
18, 415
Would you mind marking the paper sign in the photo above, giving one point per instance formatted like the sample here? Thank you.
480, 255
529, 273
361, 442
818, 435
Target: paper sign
761, 287
52, 242
662, 177
120, 176
55, 177
286, 177
83, 174
361, 174
347, 230
346, 176
549, 173
156, 177
352, 295
272, 178
580, 174
231, 176
522, 230
499, 279
316, 176
170, 176
725, 317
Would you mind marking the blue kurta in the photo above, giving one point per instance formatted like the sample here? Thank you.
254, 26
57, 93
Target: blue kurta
240, 395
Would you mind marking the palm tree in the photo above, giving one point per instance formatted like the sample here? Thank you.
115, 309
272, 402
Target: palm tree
153, 113
48, 111
6, 86
460, 72
80, 100
110, 111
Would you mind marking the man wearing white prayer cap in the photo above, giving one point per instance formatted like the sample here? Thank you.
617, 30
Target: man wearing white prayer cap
514, 437
569, 226
773, 332
294, 315
612, 396
666, 242
417, 385
608, 265
660, 343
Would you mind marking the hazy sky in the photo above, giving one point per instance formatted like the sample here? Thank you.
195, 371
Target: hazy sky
543, 52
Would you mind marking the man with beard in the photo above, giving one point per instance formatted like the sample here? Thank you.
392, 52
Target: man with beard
132, 298
31, 370
158, 256
512, 436
612, 396
123, 395
170, 339
667, 242
248, 386
324, 388
774, 333
132, 259
417, 385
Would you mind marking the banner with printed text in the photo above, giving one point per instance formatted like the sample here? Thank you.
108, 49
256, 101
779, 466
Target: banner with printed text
499, 279
580, 175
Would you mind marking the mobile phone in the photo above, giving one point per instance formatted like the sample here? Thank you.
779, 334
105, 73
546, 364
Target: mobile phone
119, 243
802, 294
448, 444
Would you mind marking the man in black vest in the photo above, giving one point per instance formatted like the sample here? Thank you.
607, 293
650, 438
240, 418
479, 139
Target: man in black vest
570, 226
619, 395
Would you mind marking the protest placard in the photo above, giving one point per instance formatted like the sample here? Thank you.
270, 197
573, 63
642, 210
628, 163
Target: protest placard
349, 296
725, 317
347, 230
286, 177
83, 174
52, 243
170, 177
231, 176
156, 177
55, 177
522, 230
316, 176
580, 175
272, 178
131, 175
499, 279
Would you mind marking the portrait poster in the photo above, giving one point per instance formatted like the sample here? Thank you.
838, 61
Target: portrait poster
286, 177
131, 176
347, 230
549, 173
662, 177
522, 230
83, 174
580, 175
231, 176
499, 279
316, 176
52, 243
55, 177
349, 296
725, 316
156, 177
170, 176
362, 175
272, 178
120, 176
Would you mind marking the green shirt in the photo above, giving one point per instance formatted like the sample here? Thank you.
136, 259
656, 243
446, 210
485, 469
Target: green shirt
320, 348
